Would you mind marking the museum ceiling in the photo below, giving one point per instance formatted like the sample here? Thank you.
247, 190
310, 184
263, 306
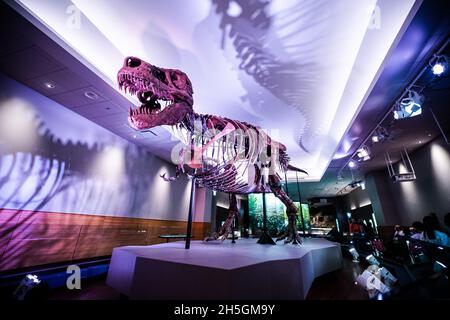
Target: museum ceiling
299, 69
317, 75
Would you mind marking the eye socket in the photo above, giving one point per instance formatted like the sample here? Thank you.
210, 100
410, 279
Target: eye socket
175, 79
133, 62
181, 81
160, 75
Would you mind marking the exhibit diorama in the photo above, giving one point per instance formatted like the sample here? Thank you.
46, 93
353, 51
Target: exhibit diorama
224, 150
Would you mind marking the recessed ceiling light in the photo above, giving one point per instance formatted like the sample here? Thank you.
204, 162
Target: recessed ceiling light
91, 95
49, 85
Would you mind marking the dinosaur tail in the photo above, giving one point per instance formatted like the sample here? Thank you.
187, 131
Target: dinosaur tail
292, 168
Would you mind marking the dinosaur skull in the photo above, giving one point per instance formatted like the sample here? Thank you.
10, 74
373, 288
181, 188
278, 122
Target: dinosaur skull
165, 94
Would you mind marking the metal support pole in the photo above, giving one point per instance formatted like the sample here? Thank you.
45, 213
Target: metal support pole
265, 237
300, 201
286, 186
264, 212
191, 212
232, 224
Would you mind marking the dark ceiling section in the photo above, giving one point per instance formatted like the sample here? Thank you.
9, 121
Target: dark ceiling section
428, 30
32, 58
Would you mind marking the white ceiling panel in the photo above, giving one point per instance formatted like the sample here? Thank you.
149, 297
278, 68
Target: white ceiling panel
300, 69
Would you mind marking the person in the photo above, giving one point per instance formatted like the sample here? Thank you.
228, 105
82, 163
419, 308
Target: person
435, 217
446, 227
431, 232
416, 230
398, 232
355, 227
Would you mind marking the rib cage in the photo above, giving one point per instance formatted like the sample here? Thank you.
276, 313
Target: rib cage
229, 161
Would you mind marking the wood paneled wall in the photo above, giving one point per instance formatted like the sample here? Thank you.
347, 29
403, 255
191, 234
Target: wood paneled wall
29, 238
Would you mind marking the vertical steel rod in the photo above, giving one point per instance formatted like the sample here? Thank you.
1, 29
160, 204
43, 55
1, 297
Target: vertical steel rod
300, 202
191, 212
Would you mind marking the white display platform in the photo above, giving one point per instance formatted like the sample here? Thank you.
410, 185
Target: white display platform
244, 270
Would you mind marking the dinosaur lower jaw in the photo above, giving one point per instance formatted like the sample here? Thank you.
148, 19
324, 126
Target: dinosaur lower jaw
174, 113
146, 117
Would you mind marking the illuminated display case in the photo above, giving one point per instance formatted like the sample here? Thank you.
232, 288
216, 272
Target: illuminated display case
276, 214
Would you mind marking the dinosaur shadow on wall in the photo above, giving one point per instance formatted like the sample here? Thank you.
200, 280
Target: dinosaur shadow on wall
269, 59
35, 177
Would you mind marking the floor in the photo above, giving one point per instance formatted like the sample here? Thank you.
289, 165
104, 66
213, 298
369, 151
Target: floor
337, 285
340, 284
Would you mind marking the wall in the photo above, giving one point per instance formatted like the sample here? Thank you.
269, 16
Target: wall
54, 161
356, 199
406, 202
30, 238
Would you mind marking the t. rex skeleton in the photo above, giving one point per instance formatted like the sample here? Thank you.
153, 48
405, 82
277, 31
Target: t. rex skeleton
221, 154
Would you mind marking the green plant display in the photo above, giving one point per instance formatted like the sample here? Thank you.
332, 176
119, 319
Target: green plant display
276, 214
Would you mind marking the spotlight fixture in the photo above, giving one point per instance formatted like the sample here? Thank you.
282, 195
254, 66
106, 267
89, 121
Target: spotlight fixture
410, 106
351, 164
370, 280
380, 134
49, 85
439, 65
363, 153
30, 282
389, 279
354, 254
355, 184
372, 260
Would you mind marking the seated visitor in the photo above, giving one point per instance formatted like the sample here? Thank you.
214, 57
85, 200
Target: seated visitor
435, 217
378, 245
446, 227
398, 232
416, 230
431, 232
